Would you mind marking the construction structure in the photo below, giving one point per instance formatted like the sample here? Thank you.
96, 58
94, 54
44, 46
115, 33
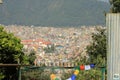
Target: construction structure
113, 47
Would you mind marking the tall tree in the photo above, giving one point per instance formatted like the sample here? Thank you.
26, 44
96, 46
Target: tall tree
97, 55
10, 52
115, 6
31, 57
97, 49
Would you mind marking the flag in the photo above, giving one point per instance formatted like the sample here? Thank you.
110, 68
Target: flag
87, 67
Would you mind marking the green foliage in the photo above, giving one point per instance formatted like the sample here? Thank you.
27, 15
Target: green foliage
53, 12
10, 53
1, 75
41, 74
49, 49
31, 58
35, 74
115, 6
10, 45
66, 75
93, 74
97, 55
97, 49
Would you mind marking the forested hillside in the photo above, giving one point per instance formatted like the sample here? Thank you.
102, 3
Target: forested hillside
53, 12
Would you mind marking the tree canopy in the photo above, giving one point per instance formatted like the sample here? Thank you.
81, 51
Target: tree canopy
97, 49
10, 53
10, 48
115, 6
97, 54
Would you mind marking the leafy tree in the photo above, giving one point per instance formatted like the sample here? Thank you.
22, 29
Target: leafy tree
1, 75
93, 74
49, 49
10, 53
31, 57
97, 55
115, 6
97, 49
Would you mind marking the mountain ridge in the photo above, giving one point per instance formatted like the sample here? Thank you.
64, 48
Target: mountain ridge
53, 12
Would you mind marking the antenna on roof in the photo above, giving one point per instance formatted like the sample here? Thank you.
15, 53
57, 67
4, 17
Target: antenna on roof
1, 1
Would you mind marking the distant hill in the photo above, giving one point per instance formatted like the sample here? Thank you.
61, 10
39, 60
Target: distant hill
53, 12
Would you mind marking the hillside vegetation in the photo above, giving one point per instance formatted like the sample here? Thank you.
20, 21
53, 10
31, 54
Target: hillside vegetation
53, 12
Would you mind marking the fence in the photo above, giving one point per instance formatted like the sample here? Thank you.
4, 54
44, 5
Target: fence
26, 72
113, 55
43, 73
58, 64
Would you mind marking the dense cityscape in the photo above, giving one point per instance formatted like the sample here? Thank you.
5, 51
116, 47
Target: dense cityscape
59, 40
65, 44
